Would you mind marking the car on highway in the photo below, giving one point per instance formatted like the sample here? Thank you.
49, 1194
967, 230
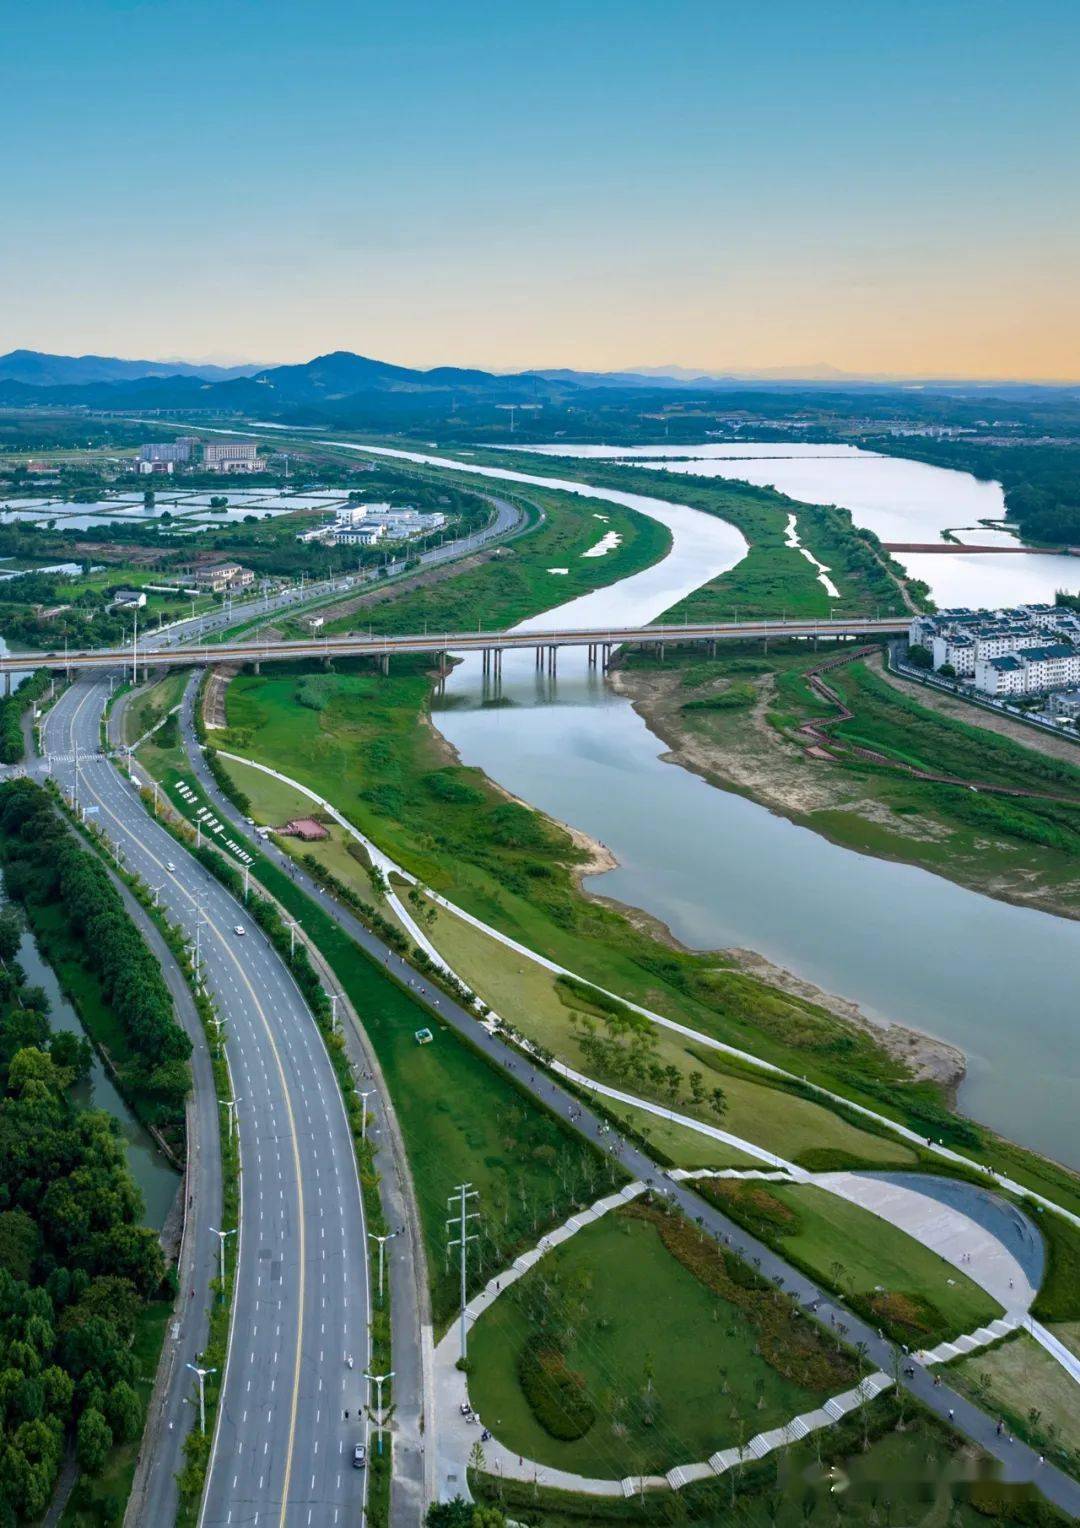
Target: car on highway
238, 928
170, 867
359, 1457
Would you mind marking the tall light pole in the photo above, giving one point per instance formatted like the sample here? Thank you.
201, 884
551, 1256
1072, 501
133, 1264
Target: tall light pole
363, 1112
382, 1241
292, 927
229, 1103
221, 1236
157, 890
462, 1194
333, 1015
378, 1380
202, 1373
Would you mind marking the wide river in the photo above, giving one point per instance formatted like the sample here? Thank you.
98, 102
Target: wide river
999, 981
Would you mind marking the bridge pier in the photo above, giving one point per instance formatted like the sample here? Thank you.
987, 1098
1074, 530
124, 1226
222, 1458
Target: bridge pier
552, 659
7, 681
256, 667
384, 663
592, 654
712, 648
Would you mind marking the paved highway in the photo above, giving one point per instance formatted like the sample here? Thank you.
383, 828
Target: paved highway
282, 1448
360, 644
1018, 1463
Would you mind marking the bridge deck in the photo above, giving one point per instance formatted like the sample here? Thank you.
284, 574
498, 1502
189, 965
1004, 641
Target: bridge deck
361, 644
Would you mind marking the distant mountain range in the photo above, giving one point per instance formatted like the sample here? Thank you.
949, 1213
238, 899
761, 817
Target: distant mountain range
352, 389
36, 368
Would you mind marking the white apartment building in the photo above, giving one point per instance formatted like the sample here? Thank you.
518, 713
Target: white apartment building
1031, 671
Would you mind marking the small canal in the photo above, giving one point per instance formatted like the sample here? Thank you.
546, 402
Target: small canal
157, 1179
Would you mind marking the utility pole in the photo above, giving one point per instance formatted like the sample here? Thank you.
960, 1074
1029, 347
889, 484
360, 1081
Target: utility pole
228, 1103
379, 1380
202, 1373
382, 1241
221, 1236
245, 885
462, 1194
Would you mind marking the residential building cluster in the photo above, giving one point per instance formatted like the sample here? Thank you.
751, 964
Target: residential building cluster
366, 524
1027, 650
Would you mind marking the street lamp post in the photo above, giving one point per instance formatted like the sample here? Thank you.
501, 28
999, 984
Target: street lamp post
229, 1103
379, 1380
363, 1112
221, 1236
202, 1373
382, 1241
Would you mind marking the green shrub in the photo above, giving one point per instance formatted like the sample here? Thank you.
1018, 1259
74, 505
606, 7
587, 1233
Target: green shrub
555, 1393
735, 698
1059, 1294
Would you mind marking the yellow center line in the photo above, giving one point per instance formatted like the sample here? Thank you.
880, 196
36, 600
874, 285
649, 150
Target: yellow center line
288, 1109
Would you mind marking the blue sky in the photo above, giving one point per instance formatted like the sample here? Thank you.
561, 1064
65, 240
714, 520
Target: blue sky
882, 187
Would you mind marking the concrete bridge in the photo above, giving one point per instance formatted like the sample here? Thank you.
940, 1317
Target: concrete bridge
600, 644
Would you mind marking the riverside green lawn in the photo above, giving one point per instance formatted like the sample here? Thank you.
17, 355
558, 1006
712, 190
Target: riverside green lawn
461, 1118
370, 750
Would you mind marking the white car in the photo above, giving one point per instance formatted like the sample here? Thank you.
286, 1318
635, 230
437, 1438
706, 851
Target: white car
170, 867
238, 928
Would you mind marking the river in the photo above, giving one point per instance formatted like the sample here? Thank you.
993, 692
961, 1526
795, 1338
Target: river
998, 981
157, 1181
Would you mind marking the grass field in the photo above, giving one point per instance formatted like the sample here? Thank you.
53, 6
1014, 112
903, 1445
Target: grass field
641, 1321
146, 708
854, 1251
1022, 1383
526, 994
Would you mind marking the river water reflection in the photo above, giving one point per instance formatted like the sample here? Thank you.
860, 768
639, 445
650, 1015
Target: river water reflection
998, 981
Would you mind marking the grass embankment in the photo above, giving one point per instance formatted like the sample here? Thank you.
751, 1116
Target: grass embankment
884, 1273
361, 748
461, 1119
559, 1017
1025, 1386
148, 706
773, 578
615, 1357
868, 1469
518, 580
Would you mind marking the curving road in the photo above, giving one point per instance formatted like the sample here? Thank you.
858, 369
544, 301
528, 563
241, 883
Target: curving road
1017, 1463
282, 1447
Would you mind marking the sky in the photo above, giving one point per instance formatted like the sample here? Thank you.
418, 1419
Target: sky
882, 186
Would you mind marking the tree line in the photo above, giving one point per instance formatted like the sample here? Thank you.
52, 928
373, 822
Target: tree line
76, 1267
45, 864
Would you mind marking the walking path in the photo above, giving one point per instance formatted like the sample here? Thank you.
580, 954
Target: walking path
1016, 1461
460, 1427
388, 867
